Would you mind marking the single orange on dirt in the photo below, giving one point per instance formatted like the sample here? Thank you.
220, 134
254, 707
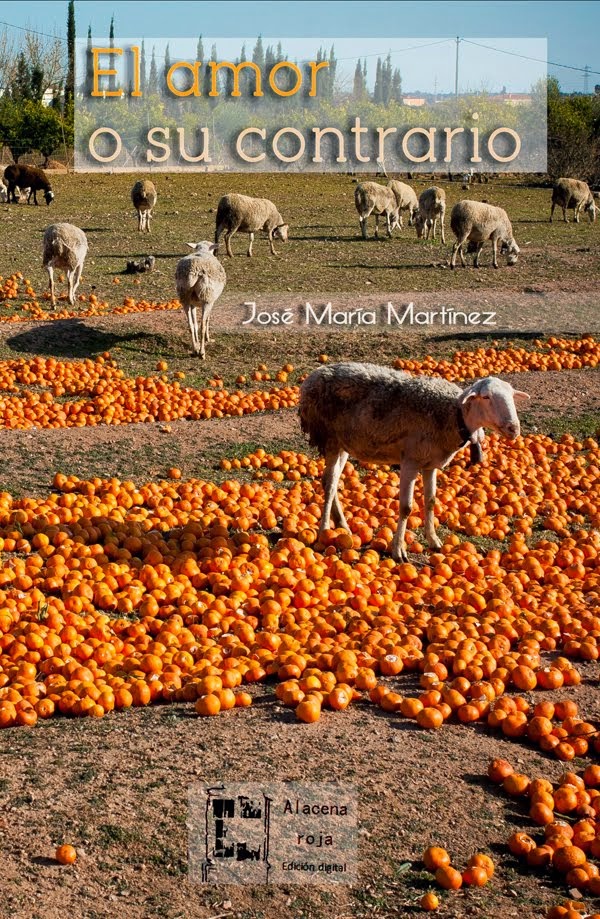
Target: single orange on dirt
448, 878
430, 718
208, 705
481, 860
516, 784
568, 857
520, 844
475, 877
435, 857
499, 769
65, 854
429, 902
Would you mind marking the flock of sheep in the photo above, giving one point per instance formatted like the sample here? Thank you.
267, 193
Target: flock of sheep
374, 413
200, 277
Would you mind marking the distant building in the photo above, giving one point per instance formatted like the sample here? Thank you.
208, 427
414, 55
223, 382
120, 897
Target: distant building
413, 101
511, 98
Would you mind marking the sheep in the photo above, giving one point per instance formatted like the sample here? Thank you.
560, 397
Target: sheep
380, 415
248, 215
571, 193
143, 195
27, 177
65, 246
432, 205
200, 280
372, 198
475, 222
3, 193
406, 199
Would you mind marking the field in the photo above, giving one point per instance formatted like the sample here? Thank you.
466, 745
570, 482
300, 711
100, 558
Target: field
158, 528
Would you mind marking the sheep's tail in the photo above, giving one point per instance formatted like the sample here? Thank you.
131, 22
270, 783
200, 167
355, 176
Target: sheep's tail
312, 422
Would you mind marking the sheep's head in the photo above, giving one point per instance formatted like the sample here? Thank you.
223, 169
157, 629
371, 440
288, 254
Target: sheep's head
203, 248
49, 195
412, 213
591, 209
394, 219
491, 403
511, 250
281, 232
419, 223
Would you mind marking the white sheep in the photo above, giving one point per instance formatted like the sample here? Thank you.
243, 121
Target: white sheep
372, 198
571, 193
432, 207
248, 215
3, 193
380, 415
200, 280
406, 198
65, 247
143, 195
475, 222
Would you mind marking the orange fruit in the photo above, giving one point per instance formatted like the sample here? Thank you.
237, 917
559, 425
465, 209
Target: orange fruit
448, 878
435, 857
208, 705
65, 854
429, 902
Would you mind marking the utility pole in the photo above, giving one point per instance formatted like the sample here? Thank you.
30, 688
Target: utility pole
586, 79
456, 70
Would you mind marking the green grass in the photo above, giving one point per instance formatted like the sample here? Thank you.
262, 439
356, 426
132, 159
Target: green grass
325, 253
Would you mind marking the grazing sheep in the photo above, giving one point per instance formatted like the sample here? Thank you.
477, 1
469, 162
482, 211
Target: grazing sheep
65, 247
380, 415
248, 215
200, 280
432, 206
474, 221
571, 193
372, 198
143, 195
30, 177
406, 200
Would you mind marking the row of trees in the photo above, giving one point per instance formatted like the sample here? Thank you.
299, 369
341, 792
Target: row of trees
28, 72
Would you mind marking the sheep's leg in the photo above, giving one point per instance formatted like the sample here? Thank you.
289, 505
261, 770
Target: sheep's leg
577, 210
272, 245
429, 482
388, 225
249, 253
458, 248
443, 234
334, 465
190, 312
363, 226
71, 294
76, 279
495, 252
206, 309
228, 235
552, 211
408, 476
50, 271
477, 254
376, 226
565, 218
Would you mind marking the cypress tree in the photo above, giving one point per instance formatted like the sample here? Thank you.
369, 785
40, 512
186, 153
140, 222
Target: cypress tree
153, 75
70, 83
143, 79
111, 44
378, 90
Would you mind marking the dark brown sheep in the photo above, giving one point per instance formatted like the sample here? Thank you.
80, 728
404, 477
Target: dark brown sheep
31, 177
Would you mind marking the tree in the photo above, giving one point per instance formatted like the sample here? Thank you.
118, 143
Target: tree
258, 54
143, 78
70, 81
167, 63
386, 79
43, 128
111, 44
358, 87
330, 84
396, 94
153, 75
378, 90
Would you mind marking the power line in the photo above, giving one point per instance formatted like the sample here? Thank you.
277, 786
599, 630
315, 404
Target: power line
524, 57
32, 31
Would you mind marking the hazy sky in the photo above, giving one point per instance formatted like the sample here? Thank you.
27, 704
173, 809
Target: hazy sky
571, 29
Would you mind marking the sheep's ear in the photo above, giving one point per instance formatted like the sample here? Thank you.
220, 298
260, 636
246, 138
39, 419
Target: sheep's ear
521, 398
214, 247
191, 245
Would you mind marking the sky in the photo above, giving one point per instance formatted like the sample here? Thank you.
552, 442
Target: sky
571, 30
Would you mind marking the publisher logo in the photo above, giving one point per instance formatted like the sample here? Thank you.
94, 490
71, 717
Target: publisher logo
280, 833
